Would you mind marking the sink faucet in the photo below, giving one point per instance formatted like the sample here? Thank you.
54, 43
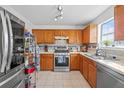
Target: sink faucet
101, 52
104, 54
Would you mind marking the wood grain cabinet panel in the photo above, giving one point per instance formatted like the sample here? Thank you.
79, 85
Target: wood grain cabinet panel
43, 62
79, 37
92, 75
85, 68
74, 62
86, 35
81, 64
49, 37
46, 62
119, 22
58, 33
72, 37
39, 35
90, 34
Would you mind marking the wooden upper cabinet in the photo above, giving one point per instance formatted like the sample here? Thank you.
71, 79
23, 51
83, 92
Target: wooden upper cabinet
90, 34
44, 36
65, 33
58, 33
39, 36
119, 22
72, 37
61, 32
49, 37
79, 37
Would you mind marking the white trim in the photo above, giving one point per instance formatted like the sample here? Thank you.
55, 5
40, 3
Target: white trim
57, 27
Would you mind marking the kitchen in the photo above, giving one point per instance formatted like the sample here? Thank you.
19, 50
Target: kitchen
59, 48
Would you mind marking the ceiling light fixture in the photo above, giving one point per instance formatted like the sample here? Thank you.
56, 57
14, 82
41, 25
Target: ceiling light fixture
60, 13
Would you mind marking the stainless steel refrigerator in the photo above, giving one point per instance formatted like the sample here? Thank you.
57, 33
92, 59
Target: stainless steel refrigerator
11, 50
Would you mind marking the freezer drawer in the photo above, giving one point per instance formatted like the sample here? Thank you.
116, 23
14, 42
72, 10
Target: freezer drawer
14, 80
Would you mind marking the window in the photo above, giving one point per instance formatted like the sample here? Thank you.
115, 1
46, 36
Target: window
107, 35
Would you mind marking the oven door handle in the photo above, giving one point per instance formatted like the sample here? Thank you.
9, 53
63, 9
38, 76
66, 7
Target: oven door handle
10, 53
4, 42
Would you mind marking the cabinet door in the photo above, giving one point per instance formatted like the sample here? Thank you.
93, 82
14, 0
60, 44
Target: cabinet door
58, 33
92, 75
39, 36
79, 36
49, 37
85, 68
74, 62
65, 33
43, 62
46, 62
72, 37
119, 22
85, 35
90, 34
49, 65
93, 33
81, 64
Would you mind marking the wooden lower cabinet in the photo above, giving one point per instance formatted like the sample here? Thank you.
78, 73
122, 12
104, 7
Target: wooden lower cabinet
47, 61
88, 70
92, 75
85, 68
74, 62
81, 63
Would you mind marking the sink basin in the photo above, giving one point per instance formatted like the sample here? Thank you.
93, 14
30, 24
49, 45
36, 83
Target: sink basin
106, 59
94, 56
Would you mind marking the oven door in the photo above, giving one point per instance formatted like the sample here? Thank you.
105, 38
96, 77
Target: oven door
3, 42
61, 61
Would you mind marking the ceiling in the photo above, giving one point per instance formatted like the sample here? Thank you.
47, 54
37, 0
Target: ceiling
73, 14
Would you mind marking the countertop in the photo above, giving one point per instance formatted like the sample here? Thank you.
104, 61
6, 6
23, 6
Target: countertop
114, 65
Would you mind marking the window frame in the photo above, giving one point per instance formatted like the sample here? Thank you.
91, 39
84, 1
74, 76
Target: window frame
100, 36
101, 32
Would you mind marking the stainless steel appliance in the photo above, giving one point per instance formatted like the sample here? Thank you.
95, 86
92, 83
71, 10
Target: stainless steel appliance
61, 59
11, 46
61, 40
107, 78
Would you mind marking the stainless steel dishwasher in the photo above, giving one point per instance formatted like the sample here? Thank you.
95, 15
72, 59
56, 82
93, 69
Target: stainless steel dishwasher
107, 78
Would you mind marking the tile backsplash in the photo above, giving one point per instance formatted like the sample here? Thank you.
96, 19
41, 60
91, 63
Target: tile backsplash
115, 52
72, 48
119, 53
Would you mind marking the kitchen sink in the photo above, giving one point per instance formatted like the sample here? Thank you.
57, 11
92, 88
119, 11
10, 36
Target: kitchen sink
106, 59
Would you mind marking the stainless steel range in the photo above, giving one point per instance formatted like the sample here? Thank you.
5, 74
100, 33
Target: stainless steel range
61, 59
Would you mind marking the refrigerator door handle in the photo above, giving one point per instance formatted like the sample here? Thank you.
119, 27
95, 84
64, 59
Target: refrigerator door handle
10, 53
4, 42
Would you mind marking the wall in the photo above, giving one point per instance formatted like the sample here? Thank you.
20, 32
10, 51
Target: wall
28, 24
109, 13
118, 52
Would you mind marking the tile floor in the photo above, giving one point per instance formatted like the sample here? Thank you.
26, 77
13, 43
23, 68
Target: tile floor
49, 79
